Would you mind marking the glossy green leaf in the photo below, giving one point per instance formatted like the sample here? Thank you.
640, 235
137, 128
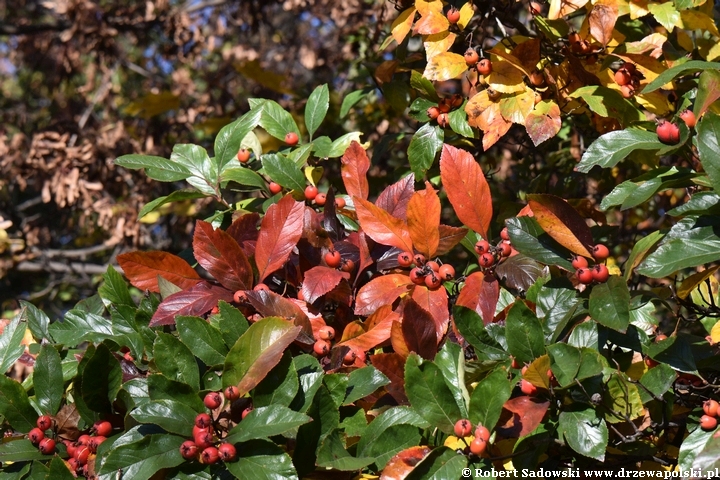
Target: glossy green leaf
394, 439
101, 380
564, 362
266, 422
429, 394
392, 416
78, 326
676, 351
424, 86
280, 386
557, 302
48, 380
451, 362
114, 290
11, 347
15, 405
310, 376
351, 99
708, 145
37, 321
362, 382
657, 380
243, 176
632, 193
530, 239
425, 144
262, 460
19, 451
159, 387
591, 363
610, 303
608, 150
175, 360
283, 171
441, 463
584, 432
607, 102
300, 154
471, 327
525, 338
692, 445
276, 120
172, 416
316, 108
488, 398
228, 141
203, 340
59, 470
682, 69
195, 158
700, 203
176, 196
339, 145
157, 168
459, 123
231, 323
640, 250
141, 459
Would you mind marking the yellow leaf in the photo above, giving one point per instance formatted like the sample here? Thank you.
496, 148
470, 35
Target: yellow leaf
313, 174
685, 41
713, 53
705, 295
654, 102
493, 125
715, 332
514, 108
560, 8
476, 106
652, 43
691, 282
432, 20
439, 43
512, 59
466, 14
505, 77
638, 8
456, 443
402, 25
445, 66
536, 372
266, 78
153, 104
694, 20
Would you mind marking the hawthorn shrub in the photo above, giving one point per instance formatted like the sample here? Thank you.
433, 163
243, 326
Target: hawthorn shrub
328, 328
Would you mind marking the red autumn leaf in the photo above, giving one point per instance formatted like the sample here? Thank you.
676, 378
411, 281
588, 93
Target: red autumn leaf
400, 466
431, 23
423, 219
222, 257
194, 301
522, 415
466, 188
358, 239
378, 330
392, 365
543, 122
562, 222
318, 281
418, 328
381, 291
449, 237
381, 226
518, 272
397, 340
143, 268
245, 232
528, 53
270, 304
435, 302
480, 293
280, 231
355, 165
394, 199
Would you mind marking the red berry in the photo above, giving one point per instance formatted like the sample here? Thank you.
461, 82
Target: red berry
417, 277
504, 234
73, 464
483, 246
347, 265
471, 57
128, 357
627, 91
708, 423
321, 348
210, 455
504, 248
579, 262
239, 296
261, 287
574, 37
432, 281
600, 273
333, 259
326, 333
246, 411
243, 155
71, 447
95, 443
84, 440
584, 275
419, 259
463, 428
446, 272
482, 432
212, 400
600, 252
47, 446
102, 428
274, 188
340, 202
523, 370
515, 363
527, 388
453, 15
349, 357
478, 446
434, 266
660, 337
311, 192
668, 132
36, 435
188, 450
444, 107
484, 66
320, 199
688, 117
203, 439
433, 112
443, 120
486, 260
82, 454
227, 452
629, 67
44, 422
405, 259
537, 79
198, 430
232, 393
623, 77
711, 407
291, 138
203, 420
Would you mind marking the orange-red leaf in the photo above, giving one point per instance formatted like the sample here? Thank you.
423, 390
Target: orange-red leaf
381, 226
525, 414
400, 466
418, 328
394, 199
493, 125
318, 281
381, 291
602, 20
143, 269
449, 237
543, 122
398, 341
432, 18
245, 232
435, 302
270, 304
480, 293
379, 325
355, 165
194, 301
423, 218
280, 231
562, 222
466, 188
392, 365
222, 257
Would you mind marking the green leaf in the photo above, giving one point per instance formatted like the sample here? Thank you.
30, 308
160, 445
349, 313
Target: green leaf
266, 422
524, 333
300, 154
607, 102
425, 143
665, 14
11, 347
557, 303
451, 362
202, 339
632, 193
692, 446
639, 251
58, 470
257, 351
392, 416
471, 327
488, 398
316, 108
48, 380
441, 463
310, 375
395, 439
78, 326
114, 290
173, 416
159, 387
175, 360
262, 460
691, 242
157, 168
231, 323
584, 432
362, 382
15, 405
176, 196
326, 417
101, 380
19, 451
339, 145
243, 176
336, 384
140, 460
37, 321
621, 396
708, 144
658, 380
351, 99
276, 121
530, 239
229, 140
591, 364
564, 362
611, 148
283, 171
429, 394
459, 123
280, 386
424, 86
195, 158
610, 304
676, 351
700, 203
670, 74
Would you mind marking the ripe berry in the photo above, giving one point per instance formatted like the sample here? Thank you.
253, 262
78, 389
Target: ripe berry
339, 202
347, 265
71, 447
668, 133
443, 120
688, 117
432, 281
433, 265
320, 199
483, 246
453, 15
527, 388
210, 455
627, 91
600, 273
84, 440
457, 100
579, 262
321, 348
600, 252
274, 188
203, 439
629, 67
73, 464
405, 259
326, 333
504, 249
36, 435
537, 79
311, 192
261, 287
333, 259
239, 296
584, 275
47, 446
444, 106
446, 272
708, 423
711, 407
417, 277
82, 454
203, 420
478, 446
651, 363
227, 452
212, 400
188, 450
574, 37
463, 428
622, 77
433, 112
198, 430
486, 260
482, 432
243, 155
471, 57
660, 337
504, 234
349, 357
291, 138
419, 259
484, 66
96, 442
515, 363
232, 393
102, 428
246, 411
44, 422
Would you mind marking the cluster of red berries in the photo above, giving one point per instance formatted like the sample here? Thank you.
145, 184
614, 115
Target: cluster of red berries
46, 445
319, 198
440, 111
709, 421
473, 60
578, 45
323, 345
597, 273
81, 450
429, 273
489, 254
478, 446
628, 78
333, 259
528, 388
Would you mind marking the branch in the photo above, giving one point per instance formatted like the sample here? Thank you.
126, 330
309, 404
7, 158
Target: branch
6, 29
60, 267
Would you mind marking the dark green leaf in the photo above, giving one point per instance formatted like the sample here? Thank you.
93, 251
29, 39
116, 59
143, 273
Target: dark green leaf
326, 417
657, 380
58, 470
176, 196
451, 362
362, 382
471, 327
557, 303
707, 203
613, 147
11, 347
524, 333
266, 422
38, 322
708, 144
591, 364
135, 392
610, 304
392, 416
310, 375
173, 416
140, 460
419, 107
441, 463
675, 351
48, 380
488, 398
530, 239
424, 86
336, 384
202, 339
459, 123
276, 121
394, 439
692, 446
584, 335
684, 68
300, 154
283, 171
15, 405
280, 386
78, 326
101, 380
19, 451
641, 248
243, 176
230, 137
351, 99
157, 168
262, 460
584, 432
429, 394
316, 108
114, 290
425, 143
174, 360
564, 362
638, 190
231, 323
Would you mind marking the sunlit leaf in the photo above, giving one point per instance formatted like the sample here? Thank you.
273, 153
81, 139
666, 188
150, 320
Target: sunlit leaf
280, 231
